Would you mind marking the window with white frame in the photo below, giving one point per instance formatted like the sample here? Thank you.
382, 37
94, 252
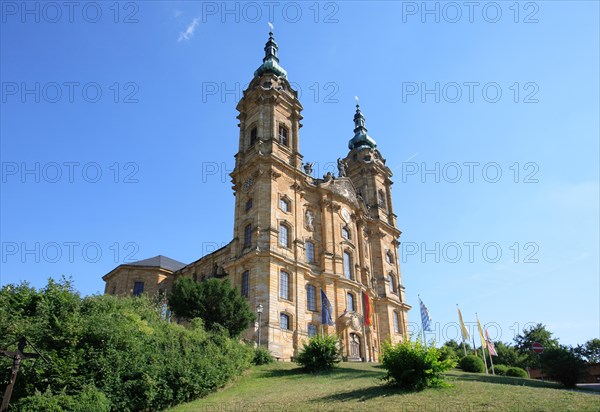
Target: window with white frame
284, 285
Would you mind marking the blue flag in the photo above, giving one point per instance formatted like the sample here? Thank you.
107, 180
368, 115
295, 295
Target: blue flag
425, 318
326, 310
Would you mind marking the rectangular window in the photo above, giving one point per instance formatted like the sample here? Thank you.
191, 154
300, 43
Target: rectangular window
310, 252
311, 298
396, 323
347, 265
284, 321
283, 236
245, 283
138, 288
248, 204
346, 233
284, 205
312, 330
284, 285
253, 136
350, 299
283, 135
247, 236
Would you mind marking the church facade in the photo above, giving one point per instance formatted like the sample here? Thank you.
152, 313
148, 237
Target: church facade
301, 245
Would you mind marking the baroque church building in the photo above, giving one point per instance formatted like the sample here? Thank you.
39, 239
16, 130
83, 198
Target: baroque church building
299, 241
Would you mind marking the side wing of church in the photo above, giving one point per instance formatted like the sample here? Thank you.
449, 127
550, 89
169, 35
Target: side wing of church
297, 238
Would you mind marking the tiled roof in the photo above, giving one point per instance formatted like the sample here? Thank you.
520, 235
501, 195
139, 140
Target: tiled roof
159, 261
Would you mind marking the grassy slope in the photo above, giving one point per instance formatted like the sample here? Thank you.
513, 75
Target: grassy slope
355, 386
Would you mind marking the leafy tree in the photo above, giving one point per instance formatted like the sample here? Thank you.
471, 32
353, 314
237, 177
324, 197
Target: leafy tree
321, 353
507, 355
564, 365
214, 301
590, 351
414, 366
523, 342
454, 347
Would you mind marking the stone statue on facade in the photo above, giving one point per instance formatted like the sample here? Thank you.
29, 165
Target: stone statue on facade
341, 167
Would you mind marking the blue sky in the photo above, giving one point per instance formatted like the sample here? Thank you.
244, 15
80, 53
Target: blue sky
118, 132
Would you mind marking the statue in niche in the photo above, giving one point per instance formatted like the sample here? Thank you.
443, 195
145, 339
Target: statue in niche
310, 220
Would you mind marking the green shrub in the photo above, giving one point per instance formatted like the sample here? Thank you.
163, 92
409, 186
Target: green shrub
471, 363
413, 366
517, 372
500, 370
262, 356
89, 400
564, 365
448, 353
321, 353
123, 346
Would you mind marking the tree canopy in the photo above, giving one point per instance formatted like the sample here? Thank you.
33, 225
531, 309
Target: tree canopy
214, 301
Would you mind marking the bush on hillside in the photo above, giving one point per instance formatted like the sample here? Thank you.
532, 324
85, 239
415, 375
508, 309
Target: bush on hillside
517, 372
124, 347
564, 365
262, 356
471, 363
500, 370
321, 353
414, 366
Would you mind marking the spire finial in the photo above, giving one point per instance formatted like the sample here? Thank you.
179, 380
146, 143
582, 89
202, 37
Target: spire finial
361, 138
356, 98
270, 28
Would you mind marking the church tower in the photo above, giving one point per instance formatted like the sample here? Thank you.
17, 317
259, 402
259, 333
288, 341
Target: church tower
372, 179
310, 254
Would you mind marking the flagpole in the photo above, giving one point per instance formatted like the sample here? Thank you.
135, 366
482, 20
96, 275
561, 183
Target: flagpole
492, 363
487, 372
461, 332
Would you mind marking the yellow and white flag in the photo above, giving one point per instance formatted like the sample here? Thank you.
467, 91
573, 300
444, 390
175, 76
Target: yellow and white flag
483, 341
465, 332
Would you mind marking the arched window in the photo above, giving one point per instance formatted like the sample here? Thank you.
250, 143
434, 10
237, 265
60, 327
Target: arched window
381, 199
392, 283
348, 265
247, 236
310, 252
284, 321
138, 288
245, 283
284, 235
311, 298
284, 285
253, 136
283, 135
350, 302
396, 322
284, 204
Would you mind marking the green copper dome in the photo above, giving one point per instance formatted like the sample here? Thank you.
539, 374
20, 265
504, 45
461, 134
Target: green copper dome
270, 61
361, 139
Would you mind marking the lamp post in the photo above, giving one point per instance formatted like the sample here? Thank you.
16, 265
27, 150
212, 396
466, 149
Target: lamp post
259, 310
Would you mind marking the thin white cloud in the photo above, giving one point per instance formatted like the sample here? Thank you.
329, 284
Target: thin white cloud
189, 32
177, 13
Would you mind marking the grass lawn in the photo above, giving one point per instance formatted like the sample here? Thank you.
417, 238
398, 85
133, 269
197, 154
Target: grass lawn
357, 386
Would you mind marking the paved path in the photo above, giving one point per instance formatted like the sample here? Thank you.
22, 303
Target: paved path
592, 386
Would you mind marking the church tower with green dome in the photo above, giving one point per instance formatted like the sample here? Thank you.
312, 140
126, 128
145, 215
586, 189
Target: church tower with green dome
299, 240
